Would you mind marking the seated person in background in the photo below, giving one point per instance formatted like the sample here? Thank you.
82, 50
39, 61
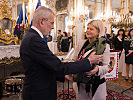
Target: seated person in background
65, 43
128, 46
90, 84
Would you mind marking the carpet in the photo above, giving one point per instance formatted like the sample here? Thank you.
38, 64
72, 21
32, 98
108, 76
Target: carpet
71, 96
112, 88
111, 95
115, 90
117, 96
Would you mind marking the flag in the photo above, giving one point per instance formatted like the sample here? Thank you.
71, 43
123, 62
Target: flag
38, 4
19, 28
20, 17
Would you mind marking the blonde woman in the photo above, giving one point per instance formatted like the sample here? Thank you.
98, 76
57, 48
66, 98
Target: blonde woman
90, 84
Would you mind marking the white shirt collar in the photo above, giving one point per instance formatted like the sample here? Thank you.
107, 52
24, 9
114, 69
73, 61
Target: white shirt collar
33, 27
119, 38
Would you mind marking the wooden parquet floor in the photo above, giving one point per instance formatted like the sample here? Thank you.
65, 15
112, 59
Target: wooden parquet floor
122, 82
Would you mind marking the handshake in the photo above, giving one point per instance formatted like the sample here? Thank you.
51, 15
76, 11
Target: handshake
95, 59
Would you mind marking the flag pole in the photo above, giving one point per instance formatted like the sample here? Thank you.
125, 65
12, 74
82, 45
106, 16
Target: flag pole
28, 13
23, 7
23, 24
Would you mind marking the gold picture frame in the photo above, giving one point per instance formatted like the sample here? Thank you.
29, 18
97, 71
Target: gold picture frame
7, 25
61, 5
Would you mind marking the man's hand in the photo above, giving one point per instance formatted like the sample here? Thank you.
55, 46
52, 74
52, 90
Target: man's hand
95, 59
92, 72
130, 51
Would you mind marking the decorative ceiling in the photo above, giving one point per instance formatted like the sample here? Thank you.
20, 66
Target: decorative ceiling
116, 4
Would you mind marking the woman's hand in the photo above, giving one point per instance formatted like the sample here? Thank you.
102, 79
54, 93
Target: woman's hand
92, 72
69, 77
130, 51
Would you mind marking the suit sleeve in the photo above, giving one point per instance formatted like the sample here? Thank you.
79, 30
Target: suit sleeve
40, 52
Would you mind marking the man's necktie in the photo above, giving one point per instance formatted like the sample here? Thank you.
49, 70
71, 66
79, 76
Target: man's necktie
45, 39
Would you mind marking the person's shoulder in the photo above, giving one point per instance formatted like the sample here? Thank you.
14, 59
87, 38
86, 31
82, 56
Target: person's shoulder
115, 36
80, 41
126, 38
108, 35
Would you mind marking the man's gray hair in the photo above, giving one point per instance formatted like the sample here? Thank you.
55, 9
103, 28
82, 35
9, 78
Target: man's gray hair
41, 12
98, 24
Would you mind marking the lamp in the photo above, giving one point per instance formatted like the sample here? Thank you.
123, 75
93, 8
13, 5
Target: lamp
83, 14
126, 20
125, 17
117, 20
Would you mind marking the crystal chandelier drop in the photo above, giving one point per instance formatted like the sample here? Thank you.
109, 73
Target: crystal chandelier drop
84, 14
126, 20
125, 17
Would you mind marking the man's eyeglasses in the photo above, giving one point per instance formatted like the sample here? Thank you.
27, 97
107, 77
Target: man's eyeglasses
46, 19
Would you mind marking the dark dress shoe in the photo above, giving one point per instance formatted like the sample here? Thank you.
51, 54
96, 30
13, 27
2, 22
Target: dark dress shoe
126, 79
132, 79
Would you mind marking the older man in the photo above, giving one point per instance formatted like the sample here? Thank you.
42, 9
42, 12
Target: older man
42, 68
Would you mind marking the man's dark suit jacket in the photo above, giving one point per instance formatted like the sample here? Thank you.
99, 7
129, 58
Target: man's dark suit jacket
42, 68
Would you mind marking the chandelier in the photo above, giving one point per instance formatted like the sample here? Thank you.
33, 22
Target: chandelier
126, 20
83, 14
119, 18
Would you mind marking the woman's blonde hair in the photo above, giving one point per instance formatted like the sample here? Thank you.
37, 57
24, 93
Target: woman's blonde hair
98, 24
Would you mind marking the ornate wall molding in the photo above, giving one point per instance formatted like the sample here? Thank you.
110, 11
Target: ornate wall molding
61, 5
5, 11
9, 51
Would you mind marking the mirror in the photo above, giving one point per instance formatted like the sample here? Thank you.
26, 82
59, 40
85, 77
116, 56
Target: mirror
61, 22
7, 25
61, 5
